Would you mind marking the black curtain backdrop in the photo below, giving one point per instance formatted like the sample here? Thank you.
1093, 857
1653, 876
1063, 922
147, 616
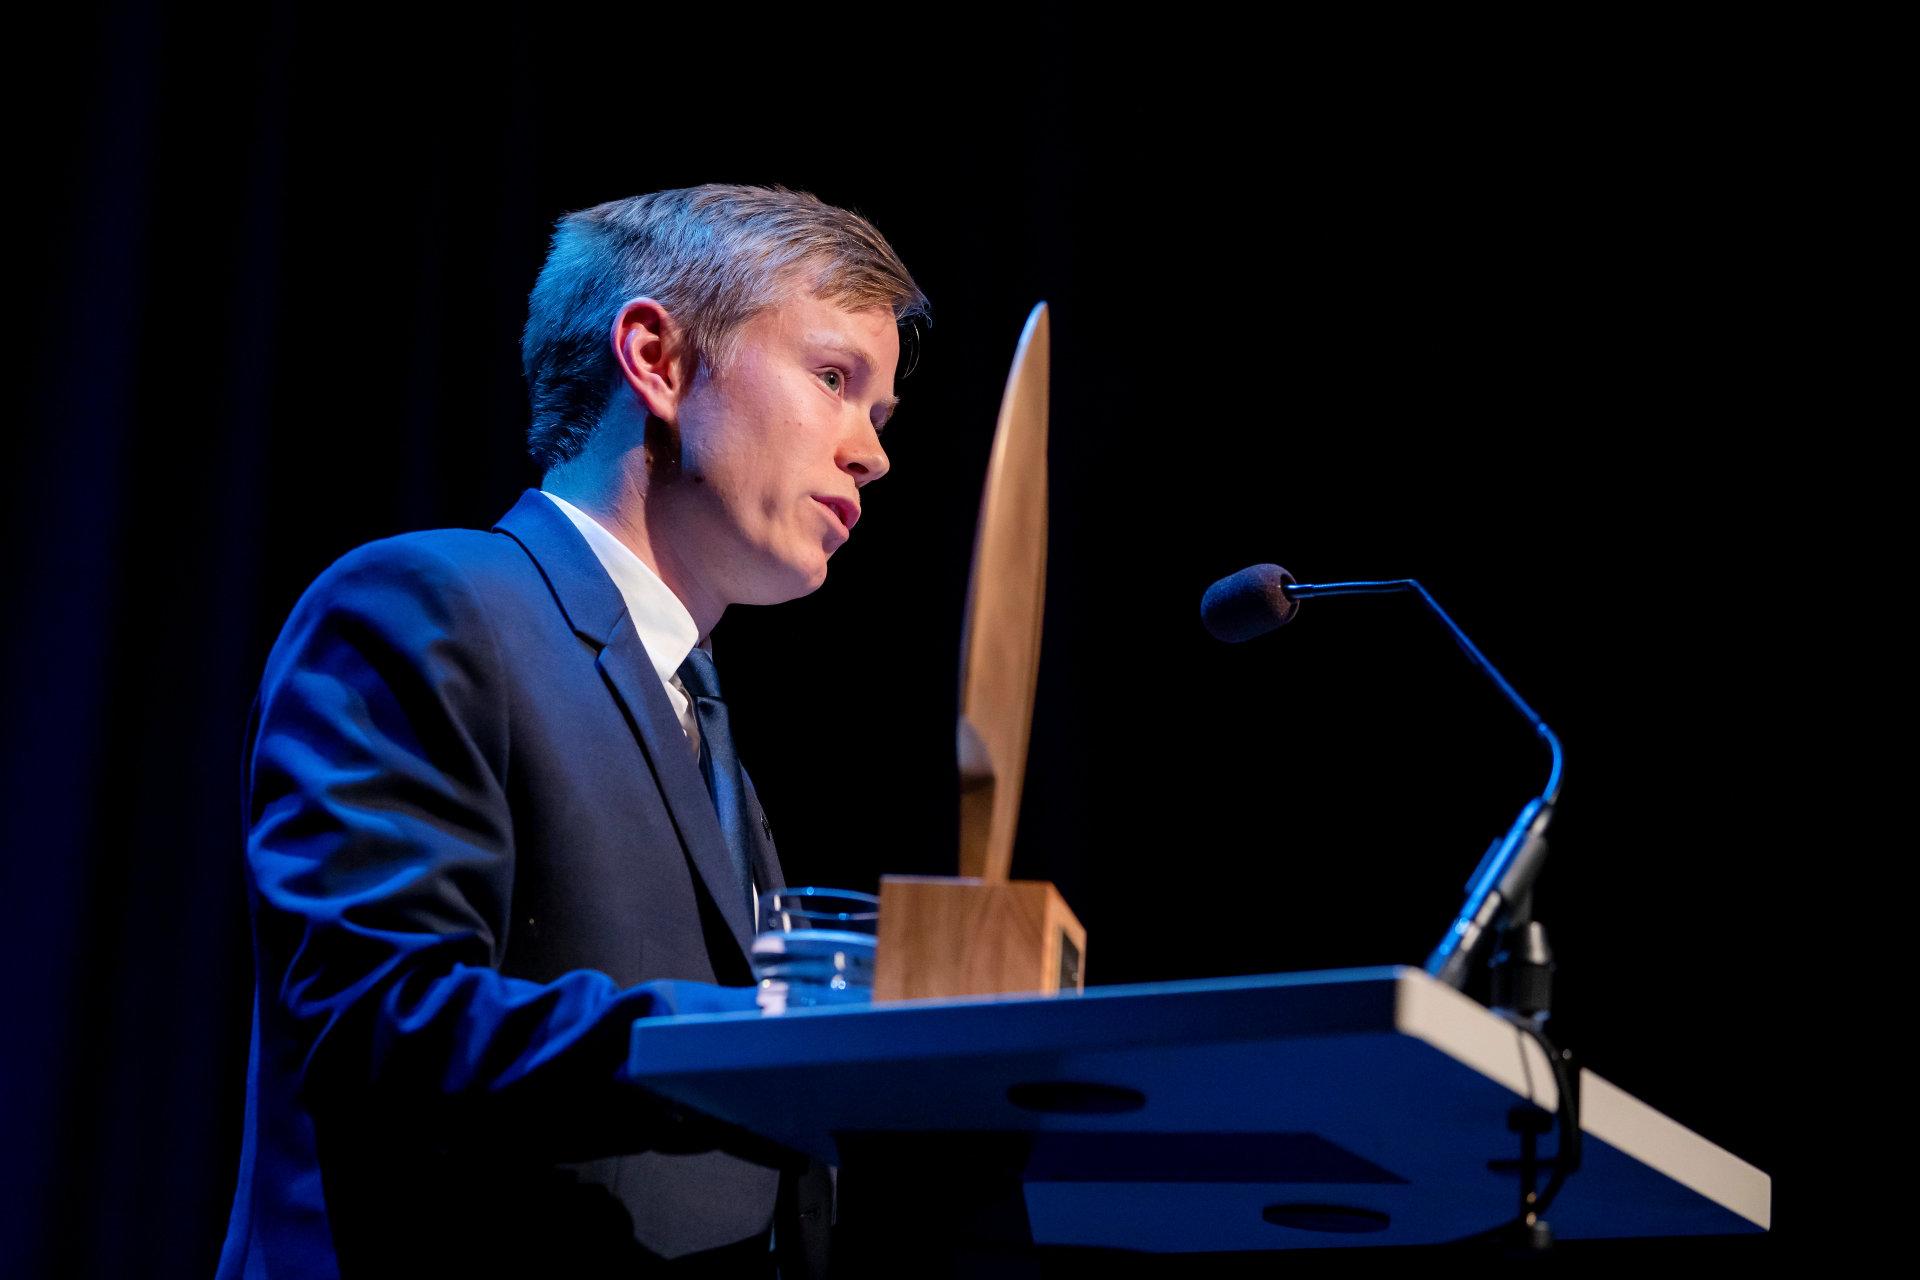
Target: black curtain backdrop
1323, 299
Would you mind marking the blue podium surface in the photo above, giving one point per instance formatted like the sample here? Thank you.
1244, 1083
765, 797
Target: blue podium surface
1349, 1107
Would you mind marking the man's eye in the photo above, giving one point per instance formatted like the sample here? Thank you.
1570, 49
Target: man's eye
835, 379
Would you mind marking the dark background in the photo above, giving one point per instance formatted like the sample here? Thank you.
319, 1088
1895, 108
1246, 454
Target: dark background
1371, 303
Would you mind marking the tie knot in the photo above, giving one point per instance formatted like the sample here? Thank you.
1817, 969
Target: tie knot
698, 675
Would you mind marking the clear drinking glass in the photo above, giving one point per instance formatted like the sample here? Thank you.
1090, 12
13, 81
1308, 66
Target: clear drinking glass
815, 946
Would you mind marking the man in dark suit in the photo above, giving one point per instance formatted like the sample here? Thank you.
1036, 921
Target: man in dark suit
493, 810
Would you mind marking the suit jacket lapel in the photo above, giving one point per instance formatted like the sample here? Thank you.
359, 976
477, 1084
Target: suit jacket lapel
597, 613
766, 862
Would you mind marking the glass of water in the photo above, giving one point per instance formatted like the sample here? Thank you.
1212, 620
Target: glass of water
815, 946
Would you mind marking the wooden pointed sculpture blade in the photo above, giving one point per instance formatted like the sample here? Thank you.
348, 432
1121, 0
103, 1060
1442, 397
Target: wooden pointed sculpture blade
1000, 644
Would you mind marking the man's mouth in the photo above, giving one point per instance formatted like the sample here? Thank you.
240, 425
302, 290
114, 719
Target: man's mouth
846, 512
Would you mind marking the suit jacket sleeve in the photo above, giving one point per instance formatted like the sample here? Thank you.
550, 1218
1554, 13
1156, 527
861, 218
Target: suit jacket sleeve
381, 855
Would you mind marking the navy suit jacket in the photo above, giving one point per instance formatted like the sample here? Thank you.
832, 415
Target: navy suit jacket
477, 843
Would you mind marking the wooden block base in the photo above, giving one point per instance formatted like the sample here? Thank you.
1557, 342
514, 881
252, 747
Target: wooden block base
941, 936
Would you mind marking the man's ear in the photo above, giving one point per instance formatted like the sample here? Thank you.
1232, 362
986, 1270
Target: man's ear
650, 350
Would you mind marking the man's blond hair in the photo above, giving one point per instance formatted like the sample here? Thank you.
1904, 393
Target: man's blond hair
714, 257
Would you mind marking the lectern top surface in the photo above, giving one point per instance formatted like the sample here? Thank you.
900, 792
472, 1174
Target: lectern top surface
1203, 1097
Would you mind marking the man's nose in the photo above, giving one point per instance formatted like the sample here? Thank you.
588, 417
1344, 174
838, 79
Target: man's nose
863, 458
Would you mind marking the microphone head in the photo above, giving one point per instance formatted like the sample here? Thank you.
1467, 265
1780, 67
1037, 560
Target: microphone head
1249, 603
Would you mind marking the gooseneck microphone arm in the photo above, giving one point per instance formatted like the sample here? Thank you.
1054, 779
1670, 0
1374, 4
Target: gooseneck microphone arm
1307, 591
1260, 598
1507, 871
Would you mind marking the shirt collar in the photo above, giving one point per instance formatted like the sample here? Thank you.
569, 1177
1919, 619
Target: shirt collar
667, 630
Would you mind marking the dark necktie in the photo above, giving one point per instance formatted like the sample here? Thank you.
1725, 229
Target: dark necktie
720, 766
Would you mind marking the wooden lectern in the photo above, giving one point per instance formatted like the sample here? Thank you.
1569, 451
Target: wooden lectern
981, 933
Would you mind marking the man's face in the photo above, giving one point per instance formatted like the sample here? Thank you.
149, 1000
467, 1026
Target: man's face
776, 446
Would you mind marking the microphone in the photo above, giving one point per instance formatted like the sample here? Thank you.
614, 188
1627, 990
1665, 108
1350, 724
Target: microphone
1264, 597
1248, 604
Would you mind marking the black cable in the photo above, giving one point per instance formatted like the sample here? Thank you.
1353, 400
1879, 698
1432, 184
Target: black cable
1566, 1158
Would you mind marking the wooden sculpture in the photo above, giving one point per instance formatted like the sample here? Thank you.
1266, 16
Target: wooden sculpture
982, 933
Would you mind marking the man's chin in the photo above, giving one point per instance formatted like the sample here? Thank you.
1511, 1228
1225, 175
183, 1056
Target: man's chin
801, 581
815, 579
